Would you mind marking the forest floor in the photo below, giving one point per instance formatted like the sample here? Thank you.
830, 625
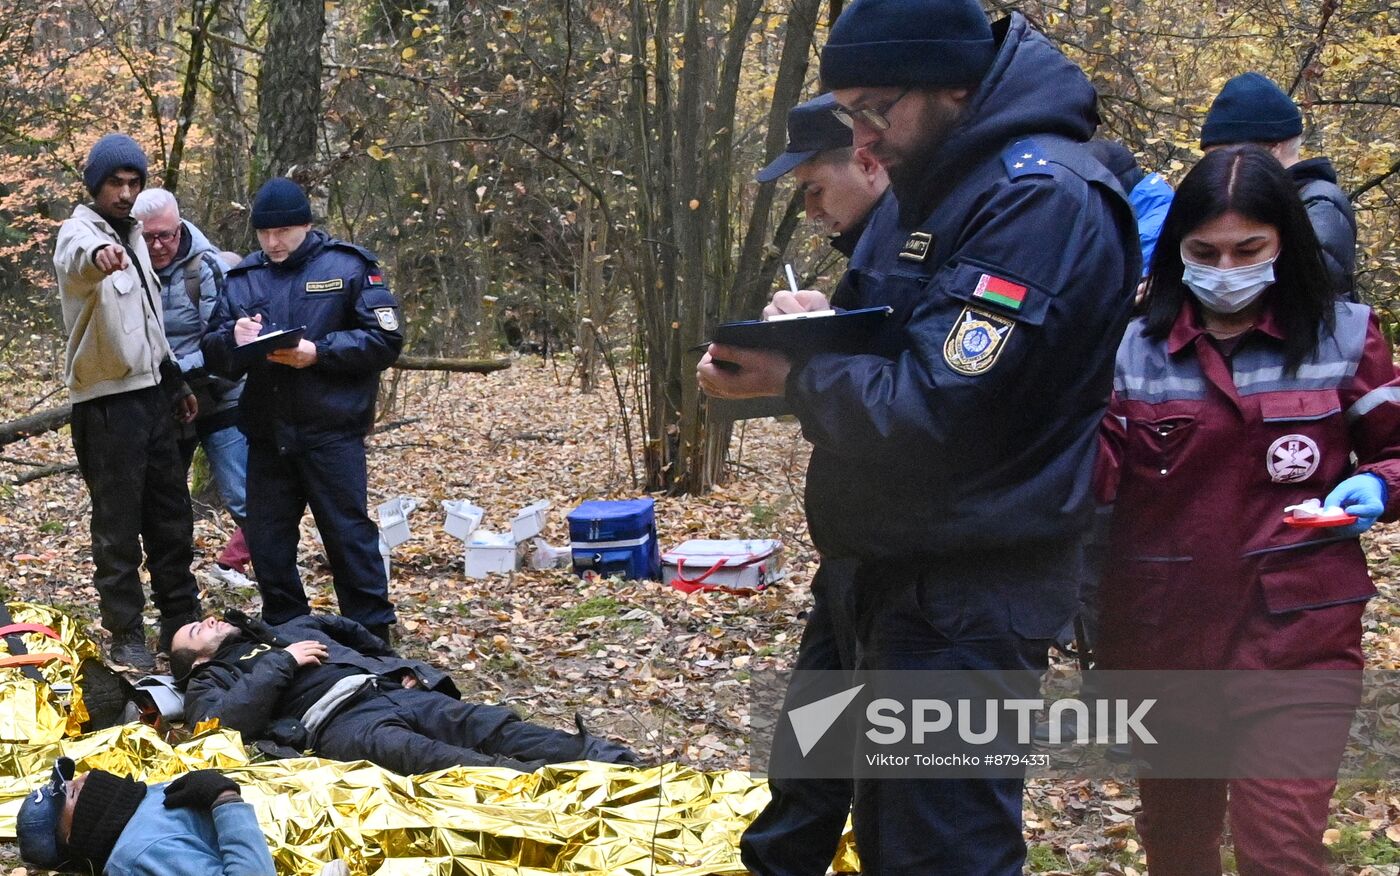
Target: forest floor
642, 663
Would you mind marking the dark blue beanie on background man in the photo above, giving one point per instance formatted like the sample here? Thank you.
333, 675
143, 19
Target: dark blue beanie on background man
1251, 109
937, 43
112, 153
280, 203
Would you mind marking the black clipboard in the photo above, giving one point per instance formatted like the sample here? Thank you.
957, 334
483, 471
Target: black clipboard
846, 331
257, 350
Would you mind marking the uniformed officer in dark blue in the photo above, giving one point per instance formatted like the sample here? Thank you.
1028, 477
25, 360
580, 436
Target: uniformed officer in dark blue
799, 830
306, 409
953, 459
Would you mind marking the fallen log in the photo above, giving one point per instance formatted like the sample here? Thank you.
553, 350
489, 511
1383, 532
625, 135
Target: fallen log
471, 366
35, 424
36, 474
57, 418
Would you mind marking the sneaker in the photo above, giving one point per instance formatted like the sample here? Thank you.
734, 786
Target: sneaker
229, 576
129, 649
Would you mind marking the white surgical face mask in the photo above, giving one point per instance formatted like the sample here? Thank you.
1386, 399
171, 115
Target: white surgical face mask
1228, 290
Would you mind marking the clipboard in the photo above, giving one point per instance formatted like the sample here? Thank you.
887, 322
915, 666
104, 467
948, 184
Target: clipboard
846, 331
257, 350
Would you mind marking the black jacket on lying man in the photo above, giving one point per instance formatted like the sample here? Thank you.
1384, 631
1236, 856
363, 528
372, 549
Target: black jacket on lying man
326, 684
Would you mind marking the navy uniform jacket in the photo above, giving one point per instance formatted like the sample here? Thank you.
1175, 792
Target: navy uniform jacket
336, 290
969, 429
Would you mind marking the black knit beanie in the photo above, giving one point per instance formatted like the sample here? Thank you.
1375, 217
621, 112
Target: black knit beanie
112, 153
940, 43
280, 203
1251, 109
105, 804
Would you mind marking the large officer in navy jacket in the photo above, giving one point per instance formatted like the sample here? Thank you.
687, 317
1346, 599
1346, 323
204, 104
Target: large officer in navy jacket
953, 459
306, 409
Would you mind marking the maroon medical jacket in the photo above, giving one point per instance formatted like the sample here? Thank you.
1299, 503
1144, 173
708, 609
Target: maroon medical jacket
1200, 454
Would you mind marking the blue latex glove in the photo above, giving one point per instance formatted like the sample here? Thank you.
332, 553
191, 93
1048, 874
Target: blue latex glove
1362, 495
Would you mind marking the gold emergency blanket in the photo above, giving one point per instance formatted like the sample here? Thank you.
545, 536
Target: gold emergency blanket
578, 818
582, 818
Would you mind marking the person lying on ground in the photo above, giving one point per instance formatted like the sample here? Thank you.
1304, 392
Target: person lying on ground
324, 683
197, 825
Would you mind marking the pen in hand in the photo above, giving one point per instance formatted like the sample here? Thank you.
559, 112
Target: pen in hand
792, 278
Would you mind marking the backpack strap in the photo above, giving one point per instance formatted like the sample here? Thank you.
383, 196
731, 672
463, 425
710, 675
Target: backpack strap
192, 282
192, 285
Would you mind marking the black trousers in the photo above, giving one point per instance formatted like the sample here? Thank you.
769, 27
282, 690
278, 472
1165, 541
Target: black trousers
332, 479
995, 614
797, 833
128, 457
418, 731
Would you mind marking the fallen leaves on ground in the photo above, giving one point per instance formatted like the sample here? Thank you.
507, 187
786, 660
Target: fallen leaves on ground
642, 663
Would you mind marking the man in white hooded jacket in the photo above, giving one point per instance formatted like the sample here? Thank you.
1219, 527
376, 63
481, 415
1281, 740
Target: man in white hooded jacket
127, 394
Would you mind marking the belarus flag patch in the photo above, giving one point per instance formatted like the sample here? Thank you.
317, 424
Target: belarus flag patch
999, 291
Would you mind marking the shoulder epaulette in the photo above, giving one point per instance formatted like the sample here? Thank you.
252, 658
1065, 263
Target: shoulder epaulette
1026, 158
367, 255
251, 260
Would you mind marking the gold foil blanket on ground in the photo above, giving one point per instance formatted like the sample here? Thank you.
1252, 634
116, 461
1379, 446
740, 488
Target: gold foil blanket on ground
575, 818
582, 818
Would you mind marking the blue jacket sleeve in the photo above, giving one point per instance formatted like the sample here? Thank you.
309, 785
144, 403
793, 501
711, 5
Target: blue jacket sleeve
1151, 199
1055, 238
242, 847
375, 337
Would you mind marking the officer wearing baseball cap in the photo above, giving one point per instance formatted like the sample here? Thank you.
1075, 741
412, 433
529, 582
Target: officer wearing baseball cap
842, 187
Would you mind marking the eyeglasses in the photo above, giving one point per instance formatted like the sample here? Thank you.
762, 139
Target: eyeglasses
873, 117
164, 238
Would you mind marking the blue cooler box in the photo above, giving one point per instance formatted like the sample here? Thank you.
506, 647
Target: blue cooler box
615, 538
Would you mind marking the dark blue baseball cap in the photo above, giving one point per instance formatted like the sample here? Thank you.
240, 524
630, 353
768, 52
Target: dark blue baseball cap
811, 128
37, 823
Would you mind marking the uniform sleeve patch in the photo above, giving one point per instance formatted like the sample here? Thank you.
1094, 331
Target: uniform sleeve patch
976, 341
375, 279
325, 285
1000, 291
388, 318
917, 247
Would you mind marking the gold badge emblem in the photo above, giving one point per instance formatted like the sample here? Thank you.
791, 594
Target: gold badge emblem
325, 285
976, 341
917, 247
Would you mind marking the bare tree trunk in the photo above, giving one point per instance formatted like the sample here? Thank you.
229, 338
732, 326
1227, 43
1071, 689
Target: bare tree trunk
228, 126
754, 273
584, 298
686, 215
289, 89
201, 17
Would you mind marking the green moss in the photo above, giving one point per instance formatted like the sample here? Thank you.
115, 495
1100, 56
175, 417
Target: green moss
1359, 847
1043, 859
